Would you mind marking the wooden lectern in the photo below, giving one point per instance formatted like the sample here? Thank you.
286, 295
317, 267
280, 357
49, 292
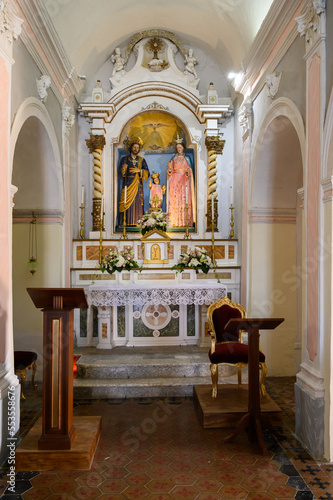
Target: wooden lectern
254, 418
58, 304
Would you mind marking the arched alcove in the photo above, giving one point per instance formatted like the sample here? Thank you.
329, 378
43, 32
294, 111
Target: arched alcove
36, 174
275, 236
34, 169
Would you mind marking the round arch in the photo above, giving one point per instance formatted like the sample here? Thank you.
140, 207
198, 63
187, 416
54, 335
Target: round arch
32, 107
275, 230
282, 107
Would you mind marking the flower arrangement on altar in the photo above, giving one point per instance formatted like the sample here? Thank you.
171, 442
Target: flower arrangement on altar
194, 259
122, 260
154, 220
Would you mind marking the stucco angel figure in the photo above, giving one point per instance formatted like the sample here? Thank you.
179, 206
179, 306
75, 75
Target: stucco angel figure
190, 61
117, 60
42, 85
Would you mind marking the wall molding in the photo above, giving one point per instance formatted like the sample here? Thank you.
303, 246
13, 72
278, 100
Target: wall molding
25, 216
270, 215
46, 49
261, 59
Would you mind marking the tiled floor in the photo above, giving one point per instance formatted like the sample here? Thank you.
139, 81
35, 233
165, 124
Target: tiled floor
158, 449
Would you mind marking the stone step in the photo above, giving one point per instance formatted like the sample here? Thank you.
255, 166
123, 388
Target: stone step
103, 368
137, 388
145, 372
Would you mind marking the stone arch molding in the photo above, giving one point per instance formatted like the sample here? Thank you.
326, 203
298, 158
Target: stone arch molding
154, 90
32, 107
281, 107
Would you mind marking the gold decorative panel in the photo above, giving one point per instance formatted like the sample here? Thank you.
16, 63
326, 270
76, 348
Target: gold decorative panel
78, 253
92, 252
140, 254
171, 252
147, 276
219, 251
104, 330
186, 276
96, 277
224, 276
231, 252
183, 248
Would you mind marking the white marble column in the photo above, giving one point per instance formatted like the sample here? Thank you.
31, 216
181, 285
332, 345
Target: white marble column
10, 28
310, 396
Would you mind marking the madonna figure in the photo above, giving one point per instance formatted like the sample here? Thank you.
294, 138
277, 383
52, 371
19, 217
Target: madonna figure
180, 188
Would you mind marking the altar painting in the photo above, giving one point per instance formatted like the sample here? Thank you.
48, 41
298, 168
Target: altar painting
159, 133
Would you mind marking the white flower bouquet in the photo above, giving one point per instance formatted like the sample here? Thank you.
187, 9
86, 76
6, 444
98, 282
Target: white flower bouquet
158, 220
194, 259
122, 260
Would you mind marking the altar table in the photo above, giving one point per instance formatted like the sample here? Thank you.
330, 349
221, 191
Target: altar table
151, 314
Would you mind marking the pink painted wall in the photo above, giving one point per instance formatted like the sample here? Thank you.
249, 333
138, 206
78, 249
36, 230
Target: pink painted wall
244, 224
4, 211
67, 220
312, 205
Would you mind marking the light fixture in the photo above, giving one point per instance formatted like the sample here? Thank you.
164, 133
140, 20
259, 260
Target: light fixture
32, 262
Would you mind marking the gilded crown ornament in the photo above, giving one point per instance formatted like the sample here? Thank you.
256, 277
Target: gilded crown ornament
129, 141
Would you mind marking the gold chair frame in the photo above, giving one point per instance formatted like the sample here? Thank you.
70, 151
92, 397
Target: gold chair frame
239, 365
22, 373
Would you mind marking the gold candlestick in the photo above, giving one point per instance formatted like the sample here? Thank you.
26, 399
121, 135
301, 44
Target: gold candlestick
124, 236
187, 234
81, 232
213, 244
232, 234
101, 226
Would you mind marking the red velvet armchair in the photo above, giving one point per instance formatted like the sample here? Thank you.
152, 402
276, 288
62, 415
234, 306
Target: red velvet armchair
226, 347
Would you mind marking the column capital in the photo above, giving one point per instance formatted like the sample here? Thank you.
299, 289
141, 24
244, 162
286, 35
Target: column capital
214, 143
95, 142
10, 27
311, 23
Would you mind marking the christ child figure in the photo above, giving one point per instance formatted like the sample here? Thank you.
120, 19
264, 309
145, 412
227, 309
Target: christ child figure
156, 193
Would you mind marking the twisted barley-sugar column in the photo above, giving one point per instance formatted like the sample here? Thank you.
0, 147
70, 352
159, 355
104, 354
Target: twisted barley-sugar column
215, 147
96, 144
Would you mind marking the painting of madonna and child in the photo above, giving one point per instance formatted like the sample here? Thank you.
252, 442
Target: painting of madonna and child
155, 171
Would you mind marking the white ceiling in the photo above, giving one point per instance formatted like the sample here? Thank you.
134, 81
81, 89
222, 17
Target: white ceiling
90, 29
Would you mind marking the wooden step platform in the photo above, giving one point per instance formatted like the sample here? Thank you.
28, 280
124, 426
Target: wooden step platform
230, 405
79, 457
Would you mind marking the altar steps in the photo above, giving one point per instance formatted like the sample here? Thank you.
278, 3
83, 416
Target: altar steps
136, 372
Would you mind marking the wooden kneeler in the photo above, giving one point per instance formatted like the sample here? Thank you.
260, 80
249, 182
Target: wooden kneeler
58, 428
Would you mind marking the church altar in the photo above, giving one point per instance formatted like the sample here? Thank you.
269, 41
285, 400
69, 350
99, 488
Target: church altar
152, 314
110, 321
155, 145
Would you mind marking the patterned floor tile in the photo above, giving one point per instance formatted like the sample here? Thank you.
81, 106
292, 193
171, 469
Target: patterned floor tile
232, 492
160, 485
207, 485
184, 492
38, 493
179, 460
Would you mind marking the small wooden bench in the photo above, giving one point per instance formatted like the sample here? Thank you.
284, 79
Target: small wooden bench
23, 361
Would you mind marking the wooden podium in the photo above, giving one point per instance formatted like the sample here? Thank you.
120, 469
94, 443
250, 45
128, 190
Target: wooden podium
58, 432
253, 419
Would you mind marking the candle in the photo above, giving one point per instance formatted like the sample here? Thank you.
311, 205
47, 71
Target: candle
186, 195
212, 207
82, 195
103, 204
125, 195
231, 196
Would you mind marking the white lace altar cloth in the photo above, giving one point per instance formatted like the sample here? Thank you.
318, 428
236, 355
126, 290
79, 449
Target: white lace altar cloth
121, 295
